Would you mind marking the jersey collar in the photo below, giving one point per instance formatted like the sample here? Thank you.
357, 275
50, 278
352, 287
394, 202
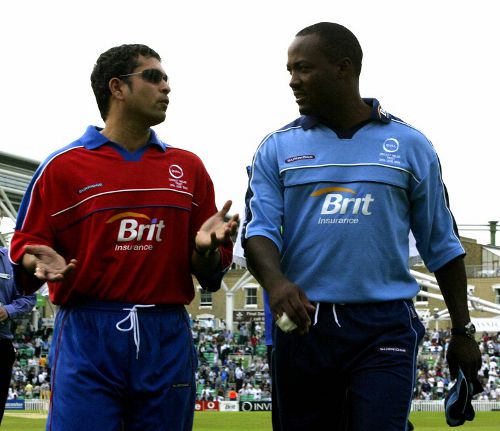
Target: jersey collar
377, 114
93, 139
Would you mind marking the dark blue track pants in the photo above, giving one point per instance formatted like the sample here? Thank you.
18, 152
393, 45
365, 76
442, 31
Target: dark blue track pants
354, 370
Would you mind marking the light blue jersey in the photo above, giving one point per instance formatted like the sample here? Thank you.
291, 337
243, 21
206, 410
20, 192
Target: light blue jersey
346, 207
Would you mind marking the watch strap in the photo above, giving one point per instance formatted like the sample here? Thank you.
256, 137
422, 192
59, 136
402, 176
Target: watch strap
469, 330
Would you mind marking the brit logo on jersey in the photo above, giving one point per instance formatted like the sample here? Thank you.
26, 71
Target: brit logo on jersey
136, 231
343, 204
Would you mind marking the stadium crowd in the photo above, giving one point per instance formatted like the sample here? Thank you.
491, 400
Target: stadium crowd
433, 378
30, 373
234, 365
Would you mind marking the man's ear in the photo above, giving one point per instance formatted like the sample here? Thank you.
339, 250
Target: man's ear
345, 67
115, 87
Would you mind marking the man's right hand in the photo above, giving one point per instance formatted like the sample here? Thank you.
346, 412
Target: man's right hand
46, 264
263, 262
287, 297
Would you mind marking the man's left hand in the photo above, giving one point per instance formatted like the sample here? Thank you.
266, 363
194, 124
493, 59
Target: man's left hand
215, 231
464, 352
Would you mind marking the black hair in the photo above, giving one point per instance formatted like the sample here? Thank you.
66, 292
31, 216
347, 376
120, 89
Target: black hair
337, 42
116, 61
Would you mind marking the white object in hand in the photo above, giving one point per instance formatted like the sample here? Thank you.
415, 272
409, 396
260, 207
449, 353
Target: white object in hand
285, 323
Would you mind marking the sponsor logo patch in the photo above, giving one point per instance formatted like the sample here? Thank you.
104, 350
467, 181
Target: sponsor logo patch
90, 187
175, 181
390, 154
391, 145
176, 171
137, 231
344, 209
298, 158
391, 349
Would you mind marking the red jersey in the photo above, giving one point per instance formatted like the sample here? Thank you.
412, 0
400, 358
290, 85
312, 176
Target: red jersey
130, 220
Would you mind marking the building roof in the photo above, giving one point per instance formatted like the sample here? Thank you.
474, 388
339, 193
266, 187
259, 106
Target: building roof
15, 175
491, 249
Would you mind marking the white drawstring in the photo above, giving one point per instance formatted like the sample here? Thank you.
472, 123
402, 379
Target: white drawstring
335, 316
316, 314
134, 325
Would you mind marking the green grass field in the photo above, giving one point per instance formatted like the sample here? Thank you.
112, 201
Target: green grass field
261, 421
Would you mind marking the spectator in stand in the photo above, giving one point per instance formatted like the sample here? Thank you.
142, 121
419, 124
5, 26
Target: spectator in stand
440, 388
12, 394
232, 394
252, 328
435, 348
225, 350
493, 395
253, 342
493, 374
224, 376
28, 390
205, 394
38, 345
244, 334
239, 375
220, 394
257, 393
45, 390
493, 362
42, 376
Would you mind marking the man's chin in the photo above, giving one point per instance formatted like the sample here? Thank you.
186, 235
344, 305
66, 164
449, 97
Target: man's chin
157, 119
305, 110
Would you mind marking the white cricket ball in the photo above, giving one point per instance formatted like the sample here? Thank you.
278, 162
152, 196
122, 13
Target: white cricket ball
285, 323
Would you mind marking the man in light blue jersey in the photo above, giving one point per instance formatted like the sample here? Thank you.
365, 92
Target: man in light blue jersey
331, 201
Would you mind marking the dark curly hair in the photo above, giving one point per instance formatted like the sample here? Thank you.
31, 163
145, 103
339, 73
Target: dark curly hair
116, 61
337, 42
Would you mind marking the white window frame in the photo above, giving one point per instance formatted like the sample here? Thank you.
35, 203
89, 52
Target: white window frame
496, 289
206, 304
251, 287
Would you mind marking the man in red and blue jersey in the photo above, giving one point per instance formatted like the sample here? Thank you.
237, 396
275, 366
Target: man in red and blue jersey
117, 222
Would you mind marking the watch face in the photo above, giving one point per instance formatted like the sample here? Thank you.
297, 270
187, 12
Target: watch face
470, 329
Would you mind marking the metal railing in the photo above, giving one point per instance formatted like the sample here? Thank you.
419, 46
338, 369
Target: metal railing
36, 405
438, 406
482, 271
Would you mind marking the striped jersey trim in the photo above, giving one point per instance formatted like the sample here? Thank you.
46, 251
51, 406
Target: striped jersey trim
121, 191
353, 165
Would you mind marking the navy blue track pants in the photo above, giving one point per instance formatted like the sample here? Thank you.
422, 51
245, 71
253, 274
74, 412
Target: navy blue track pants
354, 370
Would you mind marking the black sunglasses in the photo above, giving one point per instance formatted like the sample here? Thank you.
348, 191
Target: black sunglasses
154, 76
